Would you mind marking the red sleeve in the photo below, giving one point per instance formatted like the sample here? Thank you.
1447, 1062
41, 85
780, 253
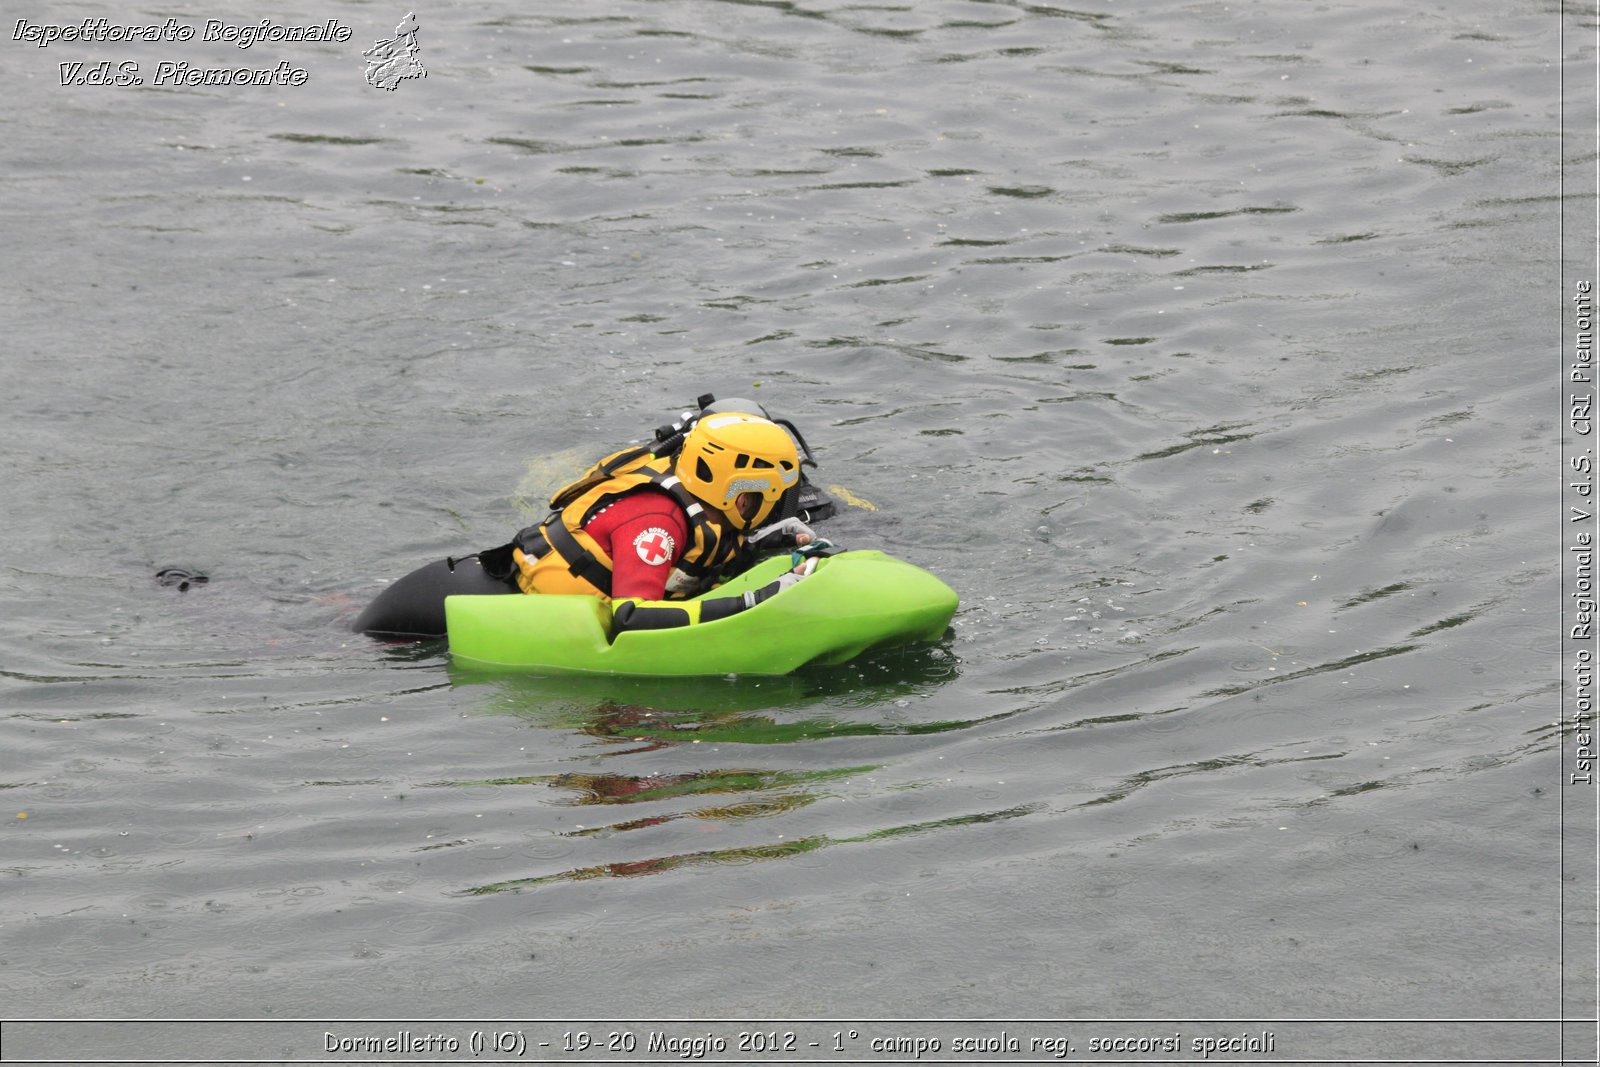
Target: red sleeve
644, 533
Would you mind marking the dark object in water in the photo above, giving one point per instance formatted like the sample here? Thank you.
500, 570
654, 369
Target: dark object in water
413, 607
180, 577
810, 504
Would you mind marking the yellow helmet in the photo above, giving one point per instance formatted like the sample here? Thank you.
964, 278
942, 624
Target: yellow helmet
729, 453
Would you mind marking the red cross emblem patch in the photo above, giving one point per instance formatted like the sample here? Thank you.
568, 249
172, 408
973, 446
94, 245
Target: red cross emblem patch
654, 546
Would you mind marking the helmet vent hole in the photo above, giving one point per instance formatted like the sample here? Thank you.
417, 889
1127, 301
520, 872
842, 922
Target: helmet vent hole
702, 470
762, 462
742, 461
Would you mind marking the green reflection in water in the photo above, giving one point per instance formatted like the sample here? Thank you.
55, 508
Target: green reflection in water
876, 678
750, 809
783, 850
637, 789
633, 789
643, 714
651, 713
667, 729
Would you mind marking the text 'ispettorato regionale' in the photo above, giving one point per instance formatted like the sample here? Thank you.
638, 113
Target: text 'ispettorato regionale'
242, 34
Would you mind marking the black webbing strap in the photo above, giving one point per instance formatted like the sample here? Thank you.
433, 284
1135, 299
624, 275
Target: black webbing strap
579, 560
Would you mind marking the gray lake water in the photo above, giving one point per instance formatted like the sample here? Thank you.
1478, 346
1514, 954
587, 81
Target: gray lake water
1208, 350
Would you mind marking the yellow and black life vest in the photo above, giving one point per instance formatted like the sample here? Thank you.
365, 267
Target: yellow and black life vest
557, 556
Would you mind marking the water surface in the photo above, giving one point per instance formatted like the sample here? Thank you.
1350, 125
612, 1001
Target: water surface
1192, 343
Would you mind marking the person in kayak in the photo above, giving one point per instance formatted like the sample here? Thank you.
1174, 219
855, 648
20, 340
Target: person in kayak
646, 525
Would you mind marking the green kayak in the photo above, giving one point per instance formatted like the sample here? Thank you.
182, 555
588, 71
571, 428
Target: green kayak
852, 602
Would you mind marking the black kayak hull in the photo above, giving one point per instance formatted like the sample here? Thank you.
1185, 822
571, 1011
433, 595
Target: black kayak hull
413, 607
